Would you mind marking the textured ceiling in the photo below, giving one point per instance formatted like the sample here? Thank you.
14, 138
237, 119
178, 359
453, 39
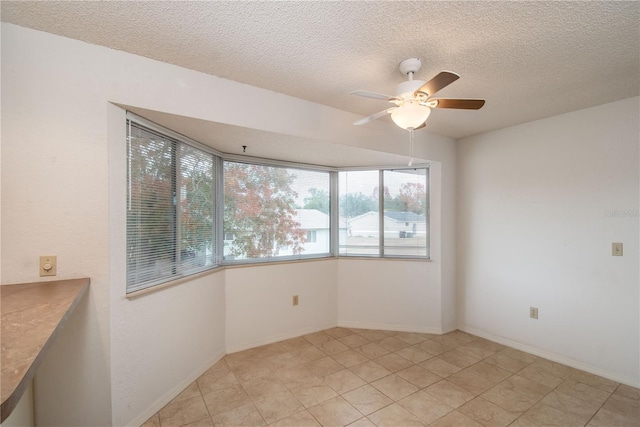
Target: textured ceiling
529, 60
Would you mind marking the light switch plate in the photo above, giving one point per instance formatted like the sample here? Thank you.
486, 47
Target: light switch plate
616, 249
48, 265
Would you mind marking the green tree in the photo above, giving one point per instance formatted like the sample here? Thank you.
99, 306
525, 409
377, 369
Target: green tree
318, 199
354, 204
259, 210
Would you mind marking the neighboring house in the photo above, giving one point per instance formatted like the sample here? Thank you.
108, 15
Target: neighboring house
316, 225
396, 224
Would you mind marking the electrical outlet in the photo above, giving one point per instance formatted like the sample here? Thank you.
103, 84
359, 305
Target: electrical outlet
533, 312
616, 249
295, 300
48, 265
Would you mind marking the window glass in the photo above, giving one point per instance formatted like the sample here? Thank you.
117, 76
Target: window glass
405, 212
359, 219
170, 216
273, 212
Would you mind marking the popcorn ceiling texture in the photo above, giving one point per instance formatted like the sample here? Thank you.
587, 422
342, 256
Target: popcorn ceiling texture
529, 60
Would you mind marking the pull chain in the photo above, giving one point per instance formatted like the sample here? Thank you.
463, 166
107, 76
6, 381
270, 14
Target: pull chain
410, 146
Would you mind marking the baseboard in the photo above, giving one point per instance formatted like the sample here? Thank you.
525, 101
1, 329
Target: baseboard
171, 394
276, 338
389, 327
556, 357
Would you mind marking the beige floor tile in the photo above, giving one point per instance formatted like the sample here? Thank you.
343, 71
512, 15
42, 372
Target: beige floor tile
432, 347
225, 399
154, 421
479, 349
278, 406
216, 380
393, 344
349, 358
471, 382
367, 399
297, 375
332, 347
220, 365
606, 418
581, 409
373, 335
183, 412
311, 395
309, 354
508, 399
369, 371
584, 392
540, 375
323, 367
282, 361
487, 413
362, 422
393, 362
489, 372
440, 367
507, 363
523, 422
424, 406
317, 338
449, 393
299, 419
353, 340
628, 392
545, 415
263, 387
526, 386
519, 355
335, 412
419, 376
462, 336
295, 344
623, 406
413, 354
458, 358
394, 416
343, 381
395, 387
594, 381
413, 337
558, 370
338, 332
192, 390
205, 422
372, 350
455, 419
251, 371
245, 415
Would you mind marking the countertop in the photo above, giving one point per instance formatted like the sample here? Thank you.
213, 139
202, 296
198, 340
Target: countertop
31, 316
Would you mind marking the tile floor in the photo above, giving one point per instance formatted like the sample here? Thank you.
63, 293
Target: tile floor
362, 378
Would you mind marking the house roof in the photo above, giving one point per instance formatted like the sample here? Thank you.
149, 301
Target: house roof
405, 216
529, 60
312, 219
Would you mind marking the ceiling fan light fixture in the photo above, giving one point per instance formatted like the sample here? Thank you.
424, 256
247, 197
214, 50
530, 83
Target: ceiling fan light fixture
410, 115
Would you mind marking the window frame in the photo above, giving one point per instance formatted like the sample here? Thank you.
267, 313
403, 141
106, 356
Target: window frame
218, 234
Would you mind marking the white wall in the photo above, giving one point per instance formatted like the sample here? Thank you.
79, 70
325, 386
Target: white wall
59, 165
259, 302
534, 231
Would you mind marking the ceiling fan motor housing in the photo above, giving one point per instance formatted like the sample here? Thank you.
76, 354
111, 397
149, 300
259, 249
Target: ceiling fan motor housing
408, 88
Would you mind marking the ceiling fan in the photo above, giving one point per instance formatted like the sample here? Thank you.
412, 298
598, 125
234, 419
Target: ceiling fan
413, 98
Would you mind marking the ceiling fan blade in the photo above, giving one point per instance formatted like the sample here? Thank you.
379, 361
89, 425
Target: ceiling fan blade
373, 95
374, 116
442, 80
463, 104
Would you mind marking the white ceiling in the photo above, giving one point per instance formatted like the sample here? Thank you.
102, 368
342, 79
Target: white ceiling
529, 60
